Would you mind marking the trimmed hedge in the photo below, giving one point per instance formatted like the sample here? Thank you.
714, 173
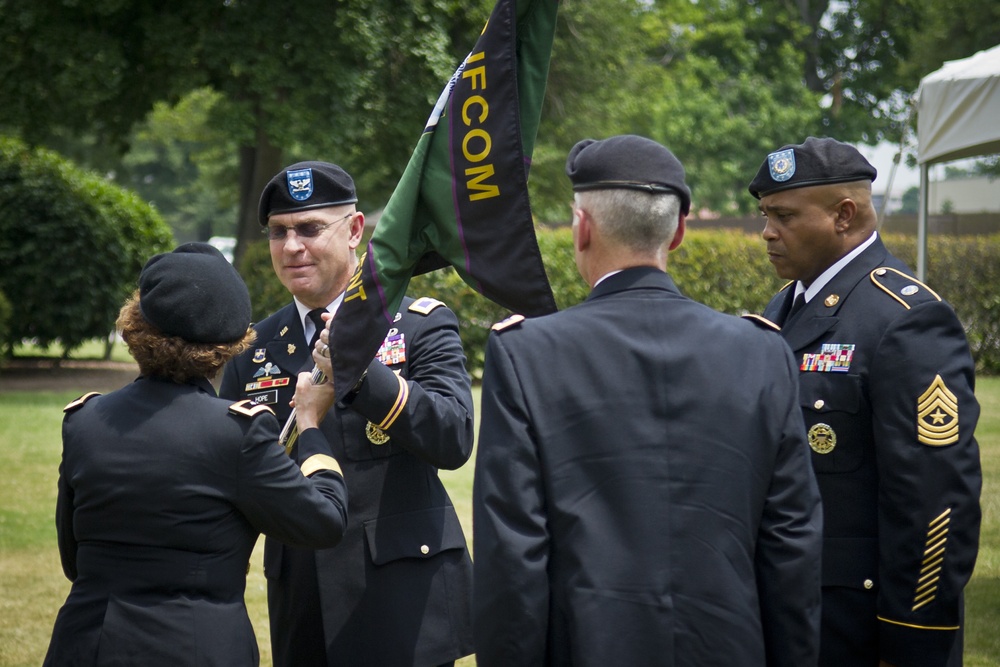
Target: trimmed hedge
71, 246
725, 269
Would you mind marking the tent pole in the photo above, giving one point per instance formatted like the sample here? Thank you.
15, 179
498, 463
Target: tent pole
922, 225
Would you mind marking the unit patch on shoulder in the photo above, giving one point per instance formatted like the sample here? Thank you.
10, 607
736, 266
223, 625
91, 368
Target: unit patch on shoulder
937, 415
761, 322
249, 409
906, 290
509, 322
73, 405
424, 305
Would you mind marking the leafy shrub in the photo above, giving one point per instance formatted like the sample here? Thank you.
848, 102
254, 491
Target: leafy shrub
71, 246
964, 271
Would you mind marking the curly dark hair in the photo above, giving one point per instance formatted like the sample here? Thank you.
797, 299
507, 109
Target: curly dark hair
172, 357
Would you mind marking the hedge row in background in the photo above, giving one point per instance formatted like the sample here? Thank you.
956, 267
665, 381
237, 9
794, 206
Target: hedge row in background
727, 270
71, 247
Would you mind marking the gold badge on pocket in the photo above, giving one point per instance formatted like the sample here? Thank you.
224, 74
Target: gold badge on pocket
822, 439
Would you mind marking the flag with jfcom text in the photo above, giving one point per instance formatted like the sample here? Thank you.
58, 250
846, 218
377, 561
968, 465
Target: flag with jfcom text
463, 198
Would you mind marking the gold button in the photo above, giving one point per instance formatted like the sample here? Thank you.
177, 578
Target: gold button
869, 584
819, 404
425, 549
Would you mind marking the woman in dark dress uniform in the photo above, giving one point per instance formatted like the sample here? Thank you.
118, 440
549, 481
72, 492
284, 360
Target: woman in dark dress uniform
164, 488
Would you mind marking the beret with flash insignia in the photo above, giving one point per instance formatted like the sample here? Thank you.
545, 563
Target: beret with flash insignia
304, 186
813, 162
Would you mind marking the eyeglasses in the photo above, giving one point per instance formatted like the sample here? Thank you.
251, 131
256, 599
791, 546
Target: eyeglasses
305, 230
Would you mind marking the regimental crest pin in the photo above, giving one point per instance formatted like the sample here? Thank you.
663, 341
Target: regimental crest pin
782, 164
376, 436
937, 415
258, 355
822, 438
300, 183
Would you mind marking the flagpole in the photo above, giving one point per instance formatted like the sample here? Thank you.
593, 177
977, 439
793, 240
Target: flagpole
290, 432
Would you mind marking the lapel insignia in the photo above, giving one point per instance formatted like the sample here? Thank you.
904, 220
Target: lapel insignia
376, 436
393, 350
398, 317
832, 358
831, 300
258, 355
267, 370
937, 415
822, 439
291, 349
283, 331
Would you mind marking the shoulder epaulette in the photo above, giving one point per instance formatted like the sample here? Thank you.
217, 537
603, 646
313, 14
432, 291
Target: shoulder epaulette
509, 322
248, 408
424, 305
73, 405
905, 289
786, 285
761, 322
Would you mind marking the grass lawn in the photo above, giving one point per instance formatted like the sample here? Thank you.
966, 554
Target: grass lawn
34, 586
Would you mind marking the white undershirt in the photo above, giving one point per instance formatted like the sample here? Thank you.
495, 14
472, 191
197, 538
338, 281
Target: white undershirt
830, 273
307, 325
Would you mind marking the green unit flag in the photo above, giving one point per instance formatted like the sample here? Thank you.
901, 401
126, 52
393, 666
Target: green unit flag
463, 198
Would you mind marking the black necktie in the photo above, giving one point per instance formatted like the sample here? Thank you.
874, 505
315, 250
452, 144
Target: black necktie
800, 300
315, 316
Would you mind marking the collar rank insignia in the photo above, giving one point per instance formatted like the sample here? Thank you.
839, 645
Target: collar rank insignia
937, 415
832, 358
782, 164
267, 370
258, 355
393, 350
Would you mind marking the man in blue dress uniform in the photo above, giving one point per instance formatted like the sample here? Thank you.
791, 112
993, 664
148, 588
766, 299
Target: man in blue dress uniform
887, 393
397, 590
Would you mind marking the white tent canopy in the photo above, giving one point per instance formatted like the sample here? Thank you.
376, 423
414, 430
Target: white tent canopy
958, 116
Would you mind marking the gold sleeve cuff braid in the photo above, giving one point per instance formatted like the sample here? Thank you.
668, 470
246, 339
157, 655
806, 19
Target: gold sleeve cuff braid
397, 408
318, 462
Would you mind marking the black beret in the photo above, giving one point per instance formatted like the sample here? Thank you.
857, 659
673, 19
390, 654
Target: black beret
815, 162
304, 186
196, 294
627, 162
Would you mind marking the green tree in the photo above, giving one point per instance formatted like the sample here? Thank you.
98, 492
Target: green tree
73, 250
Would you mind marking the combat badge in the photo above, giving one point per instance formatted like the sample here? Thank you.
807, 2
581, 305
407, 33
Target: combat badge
782, 165
822, 439
937, 415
